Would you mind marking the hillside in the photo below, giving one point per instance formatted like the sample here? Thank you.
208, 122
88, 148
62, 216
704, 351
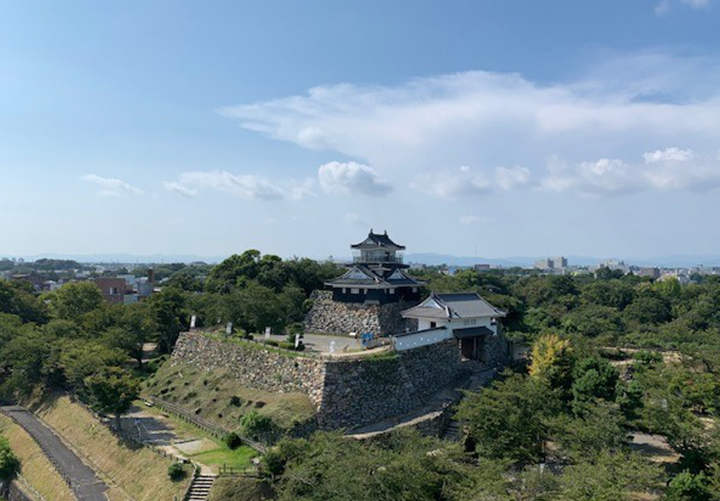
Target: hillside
217, 397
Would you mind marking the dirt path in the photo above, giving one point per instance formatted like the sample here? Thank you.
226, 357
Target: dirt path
84, 482
160, 432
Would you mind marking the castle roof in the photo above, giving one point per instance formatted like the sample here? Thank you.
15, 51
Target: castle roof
454, 305
362, 276
375, 240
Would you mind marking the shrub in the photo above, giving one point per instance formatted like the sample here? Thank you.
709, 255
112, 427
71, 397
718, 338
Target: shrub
294, 328
270, 342
176, 472
232, 440
9, 463
648, 358
688, 487
258, 426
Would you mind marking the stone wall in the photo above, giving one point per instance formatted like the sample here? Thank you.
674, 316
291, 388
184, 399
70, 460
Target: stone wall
253, 365
333, 317
347, 391
366, 390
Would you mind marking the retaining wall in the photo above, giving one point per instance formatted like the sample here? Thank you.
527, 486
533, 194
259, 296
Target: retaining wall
334, 317
347, 391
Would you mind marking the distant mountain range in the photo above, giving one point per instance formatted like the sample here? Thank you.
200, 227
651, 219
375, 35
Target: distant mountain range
428, 258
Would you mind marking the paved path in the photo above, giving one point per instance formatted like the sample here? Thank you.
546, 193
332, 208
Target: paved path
85, 483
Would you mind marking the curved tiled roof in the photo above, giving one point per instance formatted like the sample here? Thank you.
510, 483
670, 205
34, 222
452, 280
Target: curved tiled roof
375, 240
454, 305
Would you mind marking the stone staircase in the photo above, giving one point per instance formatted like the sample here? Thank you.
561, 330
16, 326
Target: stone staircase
453, 430
200, 488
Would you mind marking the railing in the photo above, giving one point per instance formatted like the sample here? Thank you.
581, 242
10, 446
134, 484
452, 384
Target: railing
378, 259
211, 428
186, 494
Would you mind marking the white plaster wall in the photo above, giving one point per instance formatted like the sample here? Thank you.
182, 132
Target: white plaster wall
422, 339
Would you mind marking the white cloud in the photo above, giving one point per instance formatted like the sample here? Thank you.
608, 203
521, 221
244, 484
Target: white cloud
668, 155
662, 8
249, 186
662, 170
510, 178
696, 4
110, 187
467, 220
446, 183
476, 118
354, 219
351, 177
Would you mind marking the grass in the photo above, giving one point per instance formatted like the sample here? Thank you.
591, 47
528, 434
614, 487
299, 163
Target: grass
239, 459
141, 473
240, 489
210, 395
36, 468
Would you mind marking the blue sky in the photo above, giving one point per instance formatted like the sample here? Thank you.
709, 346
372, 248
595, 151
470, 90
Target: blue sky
463, 127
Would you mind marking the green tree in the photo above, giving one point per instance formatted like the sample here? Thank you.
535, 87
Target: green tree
9, 463
594, 378
168, 312
611, 476
507, 420
688, 487
18, 298
113, 391
74, 300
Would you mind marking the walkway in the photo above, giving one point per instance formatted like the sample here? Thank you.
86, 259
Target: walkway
83, 480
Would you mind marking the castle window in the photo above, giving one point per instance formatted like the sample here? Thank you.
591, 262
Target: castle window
392, 291
354, 291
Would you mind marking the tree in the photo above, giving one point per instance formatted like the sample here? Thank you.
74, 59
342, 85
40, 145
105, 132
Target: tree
167, 310
74, 300
507, 420
552, 361
9, 463
688, 487
80, 359
600, 426
18, 298
113, 391
594, 378
611, 476
136, 327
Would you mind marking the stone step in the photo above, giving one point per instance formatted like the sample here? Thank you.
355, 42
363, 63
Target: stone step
200, 488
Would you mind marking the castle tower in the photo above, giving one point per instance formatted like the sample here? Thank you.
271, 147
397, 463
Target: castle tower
376, 275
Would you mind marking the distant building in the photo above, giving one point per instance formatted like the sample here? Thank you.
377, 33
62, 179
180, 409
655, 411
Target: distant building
650, 272
552, 263
112, 289
482, 267
544, 264
560, 262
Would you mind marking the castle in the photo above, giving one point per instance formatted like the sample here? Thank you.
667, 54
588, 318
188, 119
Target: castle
428, 344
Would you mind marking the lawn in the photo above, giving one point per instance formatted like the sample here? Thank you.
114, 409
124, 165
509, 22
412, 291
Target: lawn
238, 459
35, 467
140, 473
216, 454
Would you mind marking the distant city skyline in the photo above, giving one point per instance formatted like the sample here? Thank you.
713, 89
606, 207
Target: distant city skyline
466, 128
